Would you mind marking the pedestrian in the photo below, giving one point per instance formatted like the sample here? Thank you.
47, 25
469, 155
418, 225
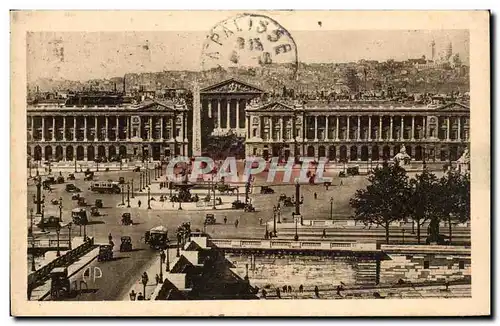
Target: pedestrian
110, 237
278, 293
315, 196
326, 186
301, 288
157, 278
132, 295
236, 223
316, 291
139, 203
50, 190
341, 182
140, 297
145, 277
260, 220
324, 233
289, 289
264, 293
447, 284
225, 219
284, 288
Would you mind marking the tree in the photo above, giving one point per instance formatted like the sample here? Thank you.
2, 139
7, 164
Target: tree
454, 204
422, 204
384, 200
352, 80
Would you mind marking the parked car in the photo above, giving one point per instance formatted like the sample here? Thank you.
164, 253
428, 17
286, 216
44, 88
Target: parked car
72, 188
126, 244
266, 190
105, 252
209, 219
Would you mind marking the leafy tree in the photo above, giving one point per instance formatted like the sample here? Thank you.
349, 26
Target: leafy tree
384, 200
422, 204
454, 203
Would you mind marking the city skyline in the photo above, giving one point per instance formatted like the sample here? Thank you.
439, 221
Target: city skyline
96, 55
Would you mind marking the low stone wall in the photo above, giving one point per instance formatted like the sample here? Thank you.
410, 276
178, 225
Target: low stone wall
425, 263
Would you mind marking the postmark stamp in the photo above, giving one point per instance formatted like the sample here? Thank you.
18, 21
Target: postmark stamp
249, 40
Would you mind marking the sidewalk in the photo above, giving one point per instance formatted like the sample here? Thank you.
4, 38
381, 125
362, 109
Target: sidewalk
42, 291
151, 270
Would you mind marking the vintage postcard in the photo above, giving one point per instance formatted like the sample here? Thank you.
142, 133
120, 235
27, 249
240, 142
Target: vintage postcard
260, 163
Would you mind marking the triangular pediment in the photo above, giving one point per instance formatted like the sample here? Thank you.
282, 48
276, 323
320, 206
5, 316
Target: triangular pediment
153, 107
453, 107
273, 107
232, 86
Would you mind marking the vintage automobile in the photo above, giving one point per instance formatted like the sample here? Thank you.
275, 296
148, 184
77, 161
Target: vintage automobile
72, 188
105, 252
50, 180
121, 180
54, 201
127, 219
249, 208
238, 204
282, 197
59, 283
137, 169
353, 170
342, 174
79, 216
327, 183
209, 219
224, 188
71, 176
98, 203
75, 197
46, 185
157, 237
89, 175
126, 244
266, 190
82, 201
49, 222
94, 211
60, 179
108, 187
288, 202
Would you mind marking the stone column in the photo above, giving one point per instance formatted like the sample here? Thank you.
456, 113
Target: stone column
413, 128
424, 126
337, 130
106, 123
392, 126
43, 128
117, 128
74, 128
248, 127
448, 128
348, 131
326, 127
459, 127
259, 128
218, 114
271, 128
370, 127
228, 115
150, 133
32, 127
53, 128
402, 133
64, 128
161, 128
127, 136
315, 128
85, 131
96, 131
281, 129
359, 128
210, 108
237, 114
380, 118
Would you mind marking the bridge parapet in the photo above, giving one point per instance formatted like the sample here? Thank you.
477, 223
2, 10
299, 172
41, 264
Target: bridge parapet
292, 245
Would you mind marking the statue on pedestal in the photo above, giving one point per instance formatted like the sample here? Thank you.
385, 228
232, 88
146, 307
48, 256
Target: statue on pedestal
402, 156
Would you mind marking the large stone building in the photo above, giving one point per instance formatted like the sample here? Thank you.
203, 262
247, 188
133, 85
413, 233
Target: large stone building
84, 128
63, 131
353, 131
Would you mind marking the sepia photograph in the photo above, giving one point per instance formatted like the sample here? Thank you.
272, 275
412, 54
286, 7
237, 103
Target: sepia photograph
261, 163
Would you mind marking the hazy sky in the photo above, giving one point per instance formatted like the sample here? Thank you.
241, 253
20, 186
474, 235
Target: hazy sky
82, 56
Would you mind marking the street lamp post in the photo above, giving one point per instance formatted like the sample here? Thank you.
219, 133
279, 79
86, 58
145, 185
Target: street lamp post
123, 195
58, 230
60, 209
274, 220
128, 195
33, 268
331, 208
69, 231
149, 197
162, 259
132, 188
296, 237
38, 200
278, 211
178, 244
42, 223
167, 263
85, 232
75, 165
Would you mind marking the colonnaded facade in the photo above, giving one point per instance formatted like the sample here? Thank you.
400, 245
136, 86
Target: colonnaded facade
150, 130
351, 131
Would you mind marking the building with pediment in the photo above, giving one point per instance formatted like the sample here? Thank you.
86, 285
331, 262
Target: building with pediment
66, 131
357, 131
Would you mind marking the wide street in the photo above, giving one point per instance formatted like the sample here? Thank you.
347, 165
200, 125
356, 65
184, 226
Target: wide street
126, 268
